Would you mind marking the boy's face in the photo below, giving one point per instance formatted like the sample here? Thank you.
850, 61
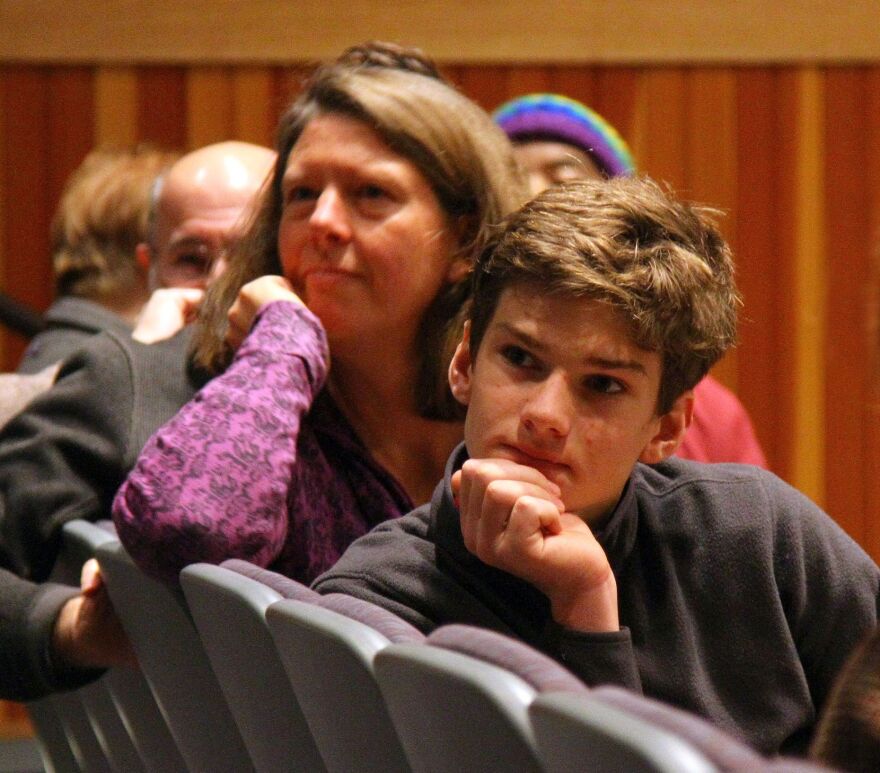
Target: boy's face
558, 385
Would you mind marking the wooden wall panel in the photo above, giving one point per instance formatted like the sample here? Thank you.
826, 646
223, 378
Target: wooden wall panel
790, 153
870, 449
116, 106
606, 31
850, 165
254, 112
762, 249
809, 286
25, 269
162, 106
210, 105
710, 171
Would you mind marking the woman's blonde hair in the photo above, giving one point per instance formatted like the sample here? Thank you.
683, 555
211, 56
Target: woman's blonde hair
465, 158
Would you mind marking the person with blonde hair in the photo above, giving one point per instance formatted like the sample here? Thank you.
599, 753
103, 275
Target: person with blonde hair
101, 218
387, 184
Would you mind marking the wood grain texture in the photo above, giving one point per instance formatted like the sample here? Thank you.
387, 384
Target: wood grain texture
851, 207
513, 31
809, 287
116, 106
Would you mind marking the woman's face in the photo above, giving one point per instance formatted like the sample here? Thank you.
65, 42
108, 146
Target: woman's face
362, 236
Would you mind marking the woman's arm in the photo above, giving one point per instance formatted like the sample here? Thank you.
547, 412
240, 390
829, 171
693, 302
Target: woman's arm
213, 482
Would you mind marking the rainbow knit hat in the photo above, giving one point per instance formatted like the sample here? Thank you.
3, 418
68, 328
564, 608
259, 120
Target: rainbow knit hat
554, 117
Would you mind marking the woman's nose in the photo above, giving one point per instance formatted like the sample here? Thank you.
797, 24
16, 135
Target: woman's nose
329, 221
549, 407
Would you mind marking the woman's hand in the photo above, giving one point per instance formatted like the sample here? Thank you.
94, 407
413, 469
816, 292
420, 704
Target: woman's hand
513, 519
251, 298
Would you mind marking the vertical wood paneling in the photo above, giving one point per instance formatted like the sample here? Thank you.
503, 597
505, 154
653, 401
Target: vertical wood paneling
210, 108
576, 82
4, 172
762, 241
162, 108
26, 110
711, 160
660, 126
287, 83
116, 106
615, 99
26, 216
871, 413
253, 116
71, 125
809, 288
487, 86
849, 242
528, 80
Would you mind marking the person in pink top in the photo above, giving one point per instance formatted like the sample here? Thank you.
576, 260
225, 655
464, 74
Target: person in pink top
557, 139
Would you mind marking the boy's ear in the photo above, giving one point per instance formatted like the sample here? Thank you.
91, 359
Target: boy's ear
460, 368
670, 432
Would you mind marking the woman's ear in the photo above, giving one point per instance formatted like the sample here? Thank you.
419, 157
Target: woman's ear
458, 270
460, 266
670, 431
460, 368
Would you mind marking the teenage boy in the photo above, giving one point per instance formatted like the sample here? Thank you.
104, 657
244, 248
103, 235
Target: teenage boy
564, 521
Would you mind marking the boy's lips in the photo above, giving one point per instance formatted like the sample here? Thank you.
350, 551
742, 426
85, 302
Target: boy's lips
540, 460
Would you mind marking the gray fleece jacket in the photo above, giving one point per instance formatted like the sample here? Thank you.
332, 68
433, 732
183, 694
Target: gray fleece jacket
739, 599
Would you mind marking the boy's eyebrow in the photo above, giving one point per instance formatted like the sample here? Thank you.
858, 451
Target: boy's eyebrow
606, 363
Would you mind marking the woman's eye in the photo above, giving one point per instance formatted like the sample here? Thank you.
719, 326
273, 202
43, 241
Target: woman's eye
518, 357
298, 193
605, 385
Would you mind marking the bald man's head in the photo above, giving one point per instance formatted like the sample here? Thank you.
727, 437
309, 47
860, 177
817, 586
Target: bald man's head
200, 207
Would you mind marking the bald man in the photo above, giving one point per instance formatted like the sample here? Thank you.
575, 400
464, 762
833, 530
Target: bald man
195, 217
197, 207
65, 455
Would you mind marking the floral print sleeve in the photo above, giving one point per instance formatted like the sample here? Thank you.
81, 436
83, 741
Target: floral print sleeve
213, 482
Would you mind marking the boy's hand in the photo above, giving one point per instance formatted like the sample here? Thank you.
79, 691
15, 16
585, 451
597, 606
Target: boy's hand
167, 312
513, 519
251, 298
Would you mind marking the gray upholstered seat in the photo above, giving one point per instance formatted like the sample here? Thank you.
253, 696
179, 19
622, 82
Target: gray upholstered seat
228, 604
329, 661
175, 664
111, 724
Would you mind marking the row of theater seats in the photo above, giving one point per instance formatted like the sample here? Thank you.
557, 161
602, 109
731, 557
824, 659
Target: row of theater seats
249, 670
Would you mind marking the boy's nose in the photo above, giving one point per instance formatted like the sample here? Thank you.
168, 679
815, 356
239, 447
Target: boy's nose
549, 407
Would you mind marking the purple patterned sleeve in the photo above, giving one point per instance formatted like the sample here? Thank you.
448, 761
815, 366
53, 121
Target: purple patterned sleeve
213, 482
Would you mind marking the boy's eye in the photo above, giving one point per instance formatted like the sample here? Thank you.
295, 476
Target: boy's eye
371, 191
518, 357
605, 385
